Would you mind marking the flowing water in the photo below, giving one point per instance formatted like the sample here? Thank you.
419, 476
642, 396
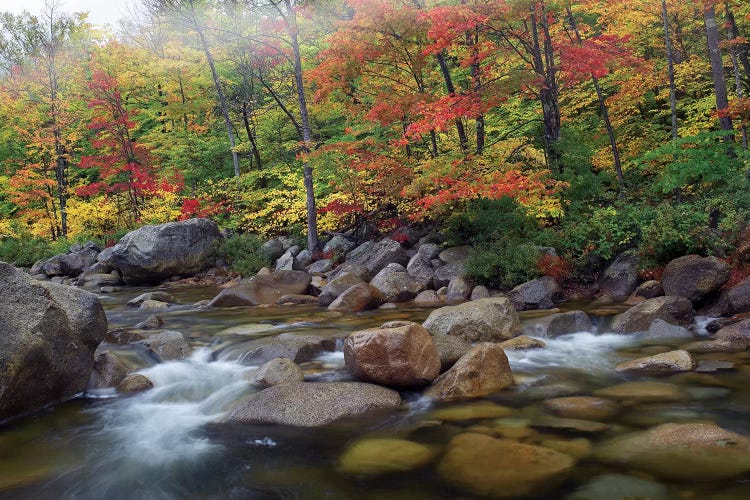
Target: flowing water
166, 443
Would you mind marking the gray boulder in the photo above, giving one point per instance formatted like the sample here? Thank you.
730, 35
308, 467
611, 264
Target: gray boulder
621, 277
560, 324
428, 251
444, 274
338, 245
155, 253
158, 296
277, 371
455, 254
661, 330
674, 310
375, 256
320, 267
48, 334
485, 320
450, 349
312, 404
459, 288
75, 263
337, 286
297, 348
360, 297
694, 277
273, 249
168, 345
109, 371
649, 290
396, 284
539, 293
427, 298
479, 292
263, 289
421, 269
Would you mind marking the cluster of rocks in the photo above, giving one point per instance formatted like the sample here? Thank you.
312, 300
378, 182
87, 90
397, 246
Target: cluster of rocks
150, 254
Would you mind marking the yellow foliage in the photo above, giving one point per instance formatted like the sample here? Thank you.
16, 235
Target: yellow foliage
162, 207
94, 217
6, 228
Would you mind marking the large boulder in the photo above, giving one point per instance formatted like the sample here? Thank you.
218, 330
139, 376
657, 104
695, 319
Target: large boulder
298, 348
155, 253
420, 269
694, 277
273, 249
560, 324
502, 468
444, 274
74, 263
109, 371
399, 353
621, 277
538, 293
375, 256
737, 298
277, 371
450, 349
168, 345
674, 310
480, 372
455, 254
337, 286
681, 452
338, 245
48, 335
312, 404
360, 297
263, 289
396, 284
485, 320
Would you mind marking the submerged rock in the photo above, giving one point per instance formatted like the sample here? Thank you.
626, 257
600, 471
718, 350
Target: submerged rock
619, 486
688, 452
399, 353
583, 407
481, 371
312, 404
644, 392
484, 320
470, 411
501, 468
298, 348
376, 456
153, 296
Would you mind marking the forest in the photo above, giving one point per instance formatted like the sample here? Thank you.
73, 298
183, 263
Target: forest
591, 126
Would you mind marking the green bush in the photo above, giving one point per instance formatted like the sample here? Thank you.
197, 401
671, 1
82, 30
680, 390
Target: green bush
503, 263
487, 221
243, 254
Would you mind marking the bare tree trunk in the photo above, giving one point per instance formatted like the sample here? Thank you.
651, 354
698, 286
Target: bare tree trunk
717, 70
462, 139
312, 222
250, 136
731, 36
670, 68
744, 48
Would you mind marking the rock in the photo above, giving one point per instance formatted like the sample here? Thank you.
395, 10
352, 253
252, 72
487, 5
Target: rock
481, 371
455, 254
122, 336
621, 277
263, 289
674, 310
421, 270
737, 298
501, 468
336, 287
304, 258
450, 349
682, 452
372, 457
459, 288
298, 348
375, 256
442, 292
732, 338
135, 383
320, 267
397, 354
294, 250
714, 365
396, 284
155, 253
694, 277
356, 269
479, 292
522, 342
48, 335
158, 296
338, 245
443, 275
51, 267
98, 280
660, 330
535, 294
484, 320
312, 404
168, 345
666, 363
573, 425
273, 249
277, 371
153, 322
578, 448
109, 371
620, 486
287, 262
74, 263
644, 392
154, 305
649, 290
469, 411
360, 297
427, 298
298, 300
558, 324
428, 251
583, 407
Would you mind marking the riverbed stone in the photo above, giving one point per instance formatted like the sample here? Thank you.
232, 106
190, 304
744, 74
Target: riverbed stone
154, 305
337, 286
620, 486
277, 371
459, 288
574, 425
661, 330
450, 349
682, 452
154, 253
484, 320
375, 256
338, 245
481, 371
666, 363
644, 392
298, 299
583, 407
538, 293
427, 298
694, 277
522, 342
309, 404
109, 371
360, 297
445, 273
649, 290
153, 322
399, 353
158, 296
135, 383
620, 278
298, 348
48, 335
168, 345
377, 456
479, 292
263, 289
559, 324
396, 284
95, 281
674, 310
420, 269
729, 339
501, 468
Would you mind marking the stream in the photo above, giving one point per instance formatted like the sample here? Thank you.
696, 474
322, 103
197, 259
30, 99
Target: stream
165, 443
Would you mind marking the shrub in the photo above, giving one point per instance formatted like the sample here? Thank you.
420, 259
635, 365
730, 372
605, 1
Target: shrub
502, 264
243, 254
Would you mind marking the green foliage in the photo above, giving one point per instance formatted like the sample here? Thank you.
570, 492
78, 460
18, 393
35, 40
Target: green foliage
502, 263
243, 254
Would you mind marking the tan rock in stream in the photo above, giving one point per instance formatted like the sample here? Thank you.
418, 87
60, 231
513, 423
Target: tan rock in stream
277, 371
502, 468
378, 456
644, 392
481, 371
522, 342
660, 364
360, 297
486, 320
583, 407
135, 383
